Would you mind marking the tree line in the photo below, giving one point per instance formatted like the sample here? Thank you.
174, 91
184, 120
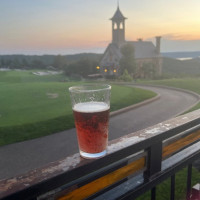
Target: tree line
79, 64
129, 68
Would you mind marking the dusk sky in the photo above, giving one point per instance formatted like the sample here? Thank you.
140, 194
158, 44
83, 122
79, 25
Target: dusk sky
77, 26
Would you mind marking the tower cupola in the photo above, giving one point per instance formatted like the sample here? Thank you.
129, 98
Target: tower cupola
118, 27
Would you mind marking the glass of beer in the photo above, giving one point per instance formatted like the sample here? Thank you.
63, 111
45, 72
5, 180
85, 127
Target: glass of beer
91, 106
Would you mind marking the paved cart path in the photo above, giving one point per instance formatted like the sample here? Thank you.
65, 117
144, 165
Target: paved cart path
18, 158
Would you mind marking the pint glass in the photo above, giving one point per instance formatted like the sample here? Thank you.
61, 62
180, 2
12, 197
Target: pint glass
91, 106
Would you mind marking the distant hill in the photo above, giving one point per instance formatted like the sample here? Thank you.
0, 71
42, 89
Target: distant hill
92, 56
48, 59
171, 66
42, 61
174, 67
184, 54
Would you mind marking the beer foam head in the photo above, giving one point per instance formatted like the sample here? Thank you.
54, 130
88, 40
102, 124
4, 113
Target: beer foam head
89, 107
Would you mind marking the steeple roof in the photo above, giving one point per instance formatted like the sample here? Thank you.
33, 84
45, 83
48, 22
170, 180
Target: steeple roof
118, 16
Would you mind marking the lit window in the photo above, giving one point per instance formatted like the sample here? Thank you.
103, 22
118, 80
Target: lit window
114, 70
98, 67
105, 70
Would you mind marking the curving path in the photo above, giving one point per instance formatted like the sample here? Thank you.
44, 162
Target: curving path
21, 157
170, 104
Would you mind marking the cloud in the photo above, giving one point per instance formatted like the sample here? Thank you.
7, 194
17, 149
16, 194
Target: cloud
179, 45
177, 42
104, 42
177, 36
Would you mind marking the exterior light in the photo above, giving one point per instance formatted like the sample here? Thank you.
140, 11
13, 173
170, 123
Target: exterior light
105, 70
98, 67
114, 70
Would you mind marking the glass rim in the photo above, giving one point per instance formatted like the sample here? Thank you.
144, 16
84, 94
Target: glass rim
89, 88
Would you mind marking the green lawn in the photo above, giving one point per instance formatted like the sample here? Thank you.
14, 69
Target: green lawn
27, 76
33, 106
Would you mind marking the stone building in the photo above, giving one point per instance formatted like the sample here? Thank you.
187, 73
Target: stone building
145, 51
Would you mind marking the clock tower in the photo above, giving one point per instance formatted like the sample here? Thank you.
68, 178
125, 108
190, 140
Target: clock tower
118, 27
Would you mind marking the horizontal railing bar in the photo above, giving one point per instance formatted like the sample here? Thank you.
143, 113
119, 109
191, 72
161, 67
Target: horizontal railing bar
180, 135
171, 161
126, 146
105, 181
179, 129
112, 194
180, 144
152, 140
168, 170
42, 187
108, 169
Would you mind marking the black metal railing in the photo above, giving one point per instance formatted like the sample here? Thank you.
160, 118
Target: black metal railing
134, 164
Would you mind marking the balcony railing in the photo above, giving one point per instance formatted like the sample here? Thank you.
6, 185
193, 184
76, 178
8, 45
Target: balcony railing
134, 164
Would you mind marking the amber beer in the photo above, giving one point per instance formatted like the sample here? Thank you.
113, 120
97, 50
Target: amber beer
91, 120
91, 105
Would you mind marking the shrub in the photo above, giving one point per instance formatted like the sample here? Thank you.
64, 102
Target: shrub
126, 76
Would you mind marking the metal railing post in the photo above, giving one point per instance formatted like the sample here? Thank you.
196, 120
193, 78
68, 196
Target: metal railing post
189, 180
154, 160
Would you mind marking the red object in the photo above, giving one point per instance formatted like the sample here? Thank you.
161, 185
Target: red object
92, 130
195, 194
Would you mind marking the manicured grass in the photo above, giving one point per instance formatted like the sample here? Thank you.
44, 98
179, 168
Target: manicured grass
27, 76
34, 102
38, 107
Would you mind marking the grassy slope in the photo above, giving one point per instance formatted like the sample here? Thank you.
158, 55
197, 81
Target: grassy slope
29, 108
178, 68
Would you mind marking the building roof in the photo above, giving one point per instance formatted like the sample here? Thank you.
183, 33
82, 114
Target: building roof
118, 16
115, 49
144, 49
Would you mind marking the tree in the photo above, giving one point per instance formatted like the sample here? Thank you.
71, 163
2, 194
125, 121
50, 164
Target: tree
59, 62
126, 76
2, 63
8, 62
15, 63
128, 59
83, 67
25, 63
38, 64
148, 70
